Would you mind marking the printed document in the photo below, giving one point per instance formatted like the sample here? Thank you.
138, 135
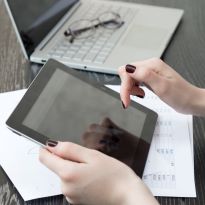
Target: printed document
169, 169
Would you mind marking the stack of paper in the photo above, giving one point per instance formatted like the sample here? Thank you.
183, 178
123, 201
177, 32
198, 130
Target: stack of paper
169, 170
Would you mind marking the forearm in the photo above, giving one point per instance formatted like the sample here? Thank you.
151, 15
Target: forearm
198, 102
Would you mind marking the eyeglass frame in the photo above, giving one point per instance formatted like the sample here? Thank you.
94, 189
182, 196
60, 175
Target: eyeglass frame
73, 33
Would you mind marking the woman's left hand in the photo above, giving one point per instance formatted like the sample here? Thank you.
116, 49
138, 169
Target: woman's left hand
91, 177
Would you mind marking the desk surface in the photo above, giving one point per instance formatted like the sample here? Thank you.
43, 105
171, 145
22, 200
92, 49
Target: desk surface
186, 53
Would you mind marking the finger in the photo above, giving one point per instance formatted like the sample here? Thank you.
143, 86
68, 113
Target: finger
137, 91
127, 83
70, 201
70, 151
148, 77
110, 126
107, 122
96, 131
93, 140
95, 128
96, 135
54, 162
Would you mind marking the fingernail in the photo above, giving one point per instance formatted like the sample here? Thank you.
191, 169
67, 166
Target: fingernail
140, 96
130, 68
123, 105
140, 93
51, 143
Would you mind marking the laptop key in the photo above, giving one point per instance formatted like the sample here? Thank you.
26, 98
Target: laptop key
90, 57
99, 60
109, 45
69, 54
89, 43
105, 50
96, 48
63, 48
84, 48
56, 56
74, 48
66, 58
59, 52
99, 43
79, 56
102, 55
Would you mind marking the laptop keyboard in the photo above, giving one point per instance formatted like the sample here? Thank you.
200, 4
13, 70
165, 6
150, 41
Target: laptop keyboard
97, 48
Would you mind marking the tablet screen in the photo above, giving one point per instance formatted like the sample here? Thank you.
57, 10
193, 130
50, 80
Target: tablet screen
67, 107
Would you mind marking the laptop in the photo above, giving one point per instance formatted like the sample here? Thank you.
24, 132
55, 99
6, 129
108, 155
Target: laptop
112, 33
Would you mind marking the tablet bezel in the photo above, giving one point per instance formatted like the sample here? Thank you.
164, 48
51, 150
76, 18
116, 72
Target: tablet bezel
15, 120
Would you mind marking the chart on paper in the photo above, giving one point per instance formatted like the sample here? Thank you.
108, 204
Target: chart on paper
163, 144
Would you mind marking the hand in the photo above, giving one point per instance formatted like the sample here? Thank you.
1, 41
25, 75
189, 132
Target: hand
116, 142
164, 82
112, 140
93, 178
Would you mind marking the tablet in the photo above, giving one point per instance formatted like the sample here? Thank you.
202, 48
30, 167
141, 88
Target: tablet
63, 105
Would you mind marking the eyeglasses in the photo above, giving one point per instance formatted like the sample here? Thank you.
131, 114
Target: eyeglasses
86, 28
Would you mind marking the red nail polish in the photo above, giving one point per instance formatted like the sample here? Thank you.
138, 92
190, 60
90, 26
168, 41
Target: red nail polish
140, 96
51, 143
130, 68
123, 105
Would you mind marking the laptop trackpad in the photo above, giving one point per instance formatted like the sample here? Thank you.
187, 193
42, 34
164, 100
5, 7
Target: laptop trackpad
141, 42
145, 37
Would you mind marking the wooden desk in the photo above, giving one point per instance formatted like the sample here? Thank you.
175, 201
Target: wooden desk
185, 53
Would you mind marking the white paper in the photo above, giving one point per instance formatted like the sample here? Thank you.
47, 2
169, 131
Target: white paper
19, 157
171, 141
169, 170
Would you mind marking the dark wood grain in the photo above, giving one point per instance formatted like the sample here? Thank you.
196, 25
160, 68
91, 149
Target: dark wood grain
14, 67
185, 53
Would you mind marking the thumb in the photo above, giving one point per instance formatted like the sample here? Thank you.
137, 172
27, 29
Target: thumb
69, 151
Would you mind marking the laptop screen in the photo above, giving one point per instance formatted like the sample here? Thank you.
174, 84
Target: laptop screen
35, 18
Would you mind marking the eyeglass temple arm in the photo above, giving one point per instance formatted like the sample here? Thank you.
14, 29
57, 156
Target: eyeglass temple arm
110, 21
70, 32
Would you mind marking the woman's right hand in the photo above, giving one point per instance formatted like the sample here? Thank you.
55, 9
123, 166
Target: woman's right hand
164, 82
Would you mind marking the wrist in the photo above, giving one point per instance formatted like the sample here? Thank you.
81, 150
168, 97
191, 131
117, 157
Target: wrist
138, 193
198, 102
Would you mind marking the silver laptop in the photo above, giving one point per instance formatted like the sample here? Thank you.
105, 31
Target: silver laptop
92, 35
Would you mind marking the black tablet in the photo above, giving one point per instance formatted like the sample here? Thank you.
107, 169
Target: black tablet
63, 105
